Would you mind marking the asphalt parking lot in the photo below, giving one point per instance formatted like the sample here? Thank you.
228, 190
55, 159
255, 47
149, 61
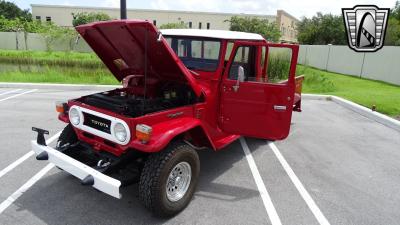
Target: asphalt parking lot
336, 167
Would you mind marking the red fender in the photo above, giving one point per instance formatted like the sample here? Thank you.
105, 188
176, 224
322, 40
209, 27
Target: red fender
164, 132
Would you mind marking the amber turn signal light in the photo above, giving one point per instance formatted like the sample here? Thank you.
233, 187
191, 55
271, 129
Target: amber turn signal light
61, 107
143, 133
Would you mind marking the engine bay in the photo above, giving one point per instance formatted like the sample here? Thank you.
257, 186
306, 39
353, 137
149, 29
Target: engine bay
132, 102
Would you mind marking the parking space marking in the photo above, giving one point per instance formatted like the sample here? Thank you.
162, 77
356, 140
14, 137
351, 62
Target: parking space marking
25, 157
18, 193
9, 92
14, 96
299, 186
269, 206
16, 163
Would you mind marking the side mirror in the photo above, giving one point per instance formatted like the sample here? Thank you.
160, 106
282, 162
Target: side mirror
240, 78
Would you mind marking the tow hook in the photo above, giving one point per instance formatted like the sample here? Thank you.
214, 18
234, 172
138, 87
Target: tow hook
102, 165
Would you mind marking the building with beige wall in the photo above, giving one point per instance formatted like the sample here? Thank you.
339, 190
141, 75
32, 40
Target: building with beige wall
62, 16
287, 25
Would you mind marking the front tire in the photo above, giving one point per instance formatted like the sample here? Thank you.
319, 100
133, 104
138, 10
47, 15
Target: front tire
67, 137
169, 179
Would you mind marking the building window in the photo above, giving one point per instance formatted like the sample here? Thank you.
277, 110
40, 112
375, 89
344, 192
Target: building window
155, 22
200, 25
190, 24
38, 18
208, 26
48, 18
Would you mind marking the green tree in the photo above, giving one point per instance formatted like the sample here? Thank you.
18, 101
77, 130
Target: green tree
393, 27
11, 11
54, 34
85, 17
18, 24
395, 12
173, 26
268, 30
393, 32
321, 30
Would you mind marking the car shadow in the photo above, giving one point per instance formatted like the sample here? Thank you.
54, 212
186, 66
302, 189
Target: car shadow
60, 199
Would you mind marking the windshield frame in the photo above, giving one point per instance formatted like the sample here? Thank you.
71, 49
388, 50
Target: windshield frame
195, 38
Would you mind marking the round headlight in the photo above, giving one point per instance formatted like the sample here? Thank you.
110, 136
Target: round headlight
74, 116
120, 132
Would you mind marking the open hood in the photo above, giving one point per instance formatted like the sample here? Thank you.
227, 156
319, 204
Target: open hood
121, 45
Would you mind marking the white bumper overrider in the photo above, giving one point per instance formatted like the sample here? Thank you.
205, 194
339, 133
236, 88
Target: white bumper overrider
102, 182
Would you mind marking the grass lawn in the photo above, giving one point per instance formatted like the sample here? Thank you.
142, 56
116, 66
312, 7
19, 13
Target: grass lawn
84, 76
78, 59
384, 96
53, 67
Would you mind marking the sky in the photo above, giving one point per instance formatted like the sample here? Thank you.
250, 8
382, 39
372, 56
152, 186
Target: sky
297, 8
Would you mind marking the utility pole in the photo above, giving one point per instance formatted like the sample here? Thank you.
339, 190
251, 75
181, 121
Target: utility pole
123, 9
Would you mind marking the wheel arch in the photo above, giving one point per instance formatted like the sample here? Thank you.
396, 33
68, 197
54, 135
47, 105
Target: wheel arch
196, 136
189, 129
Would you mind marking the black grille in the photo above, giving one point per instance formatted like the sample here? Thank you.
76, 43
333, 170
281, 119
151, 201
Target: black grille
97, 123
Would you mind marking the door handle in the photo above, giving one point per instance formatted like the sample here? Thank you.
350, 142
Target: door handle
279, 107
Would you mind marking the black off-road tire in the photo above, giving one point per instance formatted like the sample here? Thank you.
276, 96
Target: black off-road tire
153, 179
67, 136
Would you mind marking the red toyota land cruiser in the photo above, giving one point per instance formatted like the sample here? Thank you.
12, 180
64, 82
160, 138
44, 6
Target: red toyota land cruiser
183, 90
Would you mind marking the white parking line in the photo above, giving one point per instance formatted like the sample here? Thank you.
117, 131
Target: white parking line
14, 96
25, 157
300, 188
269, 206
12, 198
16, 163
18, 193
9, 92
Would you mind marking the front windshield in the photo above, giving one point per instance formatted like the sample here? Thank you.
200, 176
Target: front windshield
196, 54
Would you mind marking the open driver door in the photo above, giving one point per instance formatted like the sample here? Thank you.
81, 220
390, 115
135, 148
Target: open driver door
256, 96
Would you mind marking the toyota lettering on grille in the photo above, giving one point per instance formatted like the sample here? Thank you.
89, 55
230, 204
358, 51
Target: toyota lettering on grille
99, 123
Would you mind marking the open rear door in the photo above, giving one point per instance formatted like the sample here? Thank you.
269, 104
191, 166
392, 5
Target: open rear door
258, 90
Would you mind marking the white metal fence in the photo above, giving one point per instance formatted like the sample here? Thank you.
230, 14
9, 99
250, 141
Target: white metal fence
33, 41
383, 65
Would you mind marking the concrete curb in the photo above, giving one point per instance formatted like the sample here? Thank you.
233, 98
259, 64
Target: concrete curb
58, 86
376, 116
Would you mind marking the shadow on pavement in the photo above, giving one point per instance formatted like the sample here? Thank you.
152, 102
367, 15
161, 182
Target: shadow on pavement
60, 199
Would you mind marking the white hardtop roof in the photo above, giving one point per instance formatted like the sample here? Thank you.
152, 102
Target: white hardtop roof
220, 34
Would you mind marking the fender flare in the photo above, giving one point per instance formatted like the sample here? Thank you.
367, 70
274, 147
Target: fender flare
165, 132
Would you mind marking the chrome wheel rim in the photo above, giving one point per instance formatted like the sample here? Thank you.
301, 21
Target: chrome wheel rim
178, 181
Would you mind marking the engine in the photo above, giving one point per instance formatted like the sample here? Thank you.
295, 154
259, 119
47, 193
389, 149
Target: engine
132, 102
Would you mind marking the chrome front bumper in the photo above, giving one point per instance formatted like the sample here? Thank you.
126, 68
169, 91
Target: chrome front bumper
85, 173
